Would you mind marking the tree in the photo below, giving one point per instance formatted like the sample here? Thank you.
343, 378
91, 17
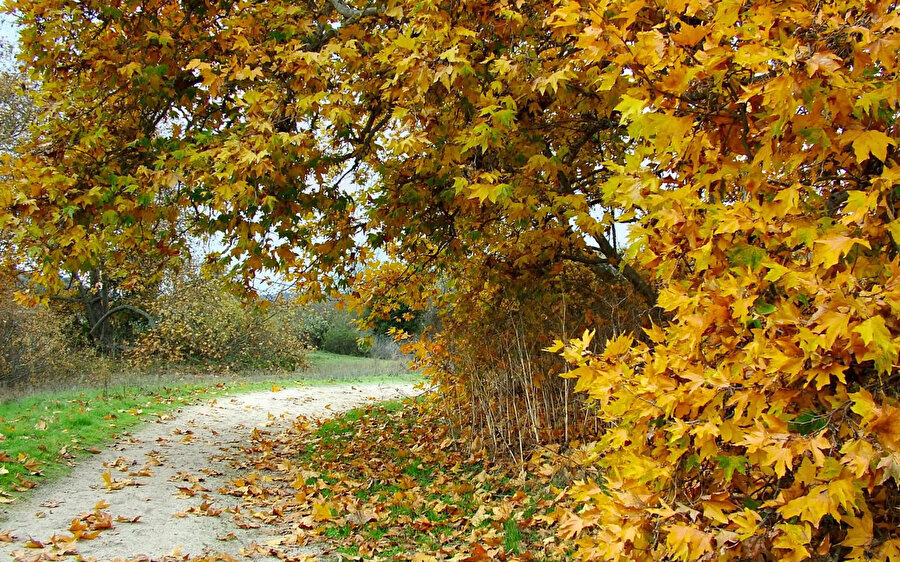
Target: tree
764, 142
258, 147
17, 110
493, 147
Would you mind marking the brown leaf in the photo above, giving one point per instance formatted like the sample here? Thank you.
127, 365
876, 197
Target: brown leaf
33, 543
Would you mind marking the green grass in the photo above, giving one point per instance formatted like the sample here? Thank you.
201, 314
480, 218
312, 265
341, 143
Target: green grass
44, 432
56, 428
330, 366
512, 537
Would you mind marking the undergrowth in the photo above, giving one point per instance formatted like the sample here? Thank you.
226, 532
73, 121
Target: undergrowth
389, 482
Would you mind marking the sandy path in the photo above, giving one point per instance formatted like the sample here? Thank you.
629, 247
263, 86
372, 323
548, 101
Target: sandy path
175, 465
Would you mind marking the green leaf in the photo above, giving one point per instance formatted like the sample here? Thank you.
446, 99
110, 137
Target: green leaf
807, 423
746, 255
732, 464
691, 462
505, 117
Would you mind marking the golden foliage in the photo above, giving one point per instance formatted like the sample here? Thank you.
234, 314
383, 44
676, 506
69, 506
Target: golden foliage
752, 147
34, 345
202, 320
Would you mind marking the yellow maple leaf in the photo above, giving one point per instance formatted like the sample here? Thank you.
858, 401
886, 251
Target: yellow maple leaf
687, 543
793, 539
874, 142
321, 511
810, 508
570, 525
829, 250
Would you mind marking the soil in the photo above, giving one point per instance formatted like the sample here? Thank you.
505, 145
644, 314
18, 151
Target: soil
166, 477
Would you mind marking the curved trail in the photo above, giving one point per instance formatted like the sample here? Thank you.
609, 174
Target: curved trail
166, 478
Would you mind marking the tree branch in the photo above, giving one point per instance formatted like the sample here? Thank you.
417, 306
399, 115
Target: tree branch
614, 259
120, 308
353, 13
637, 281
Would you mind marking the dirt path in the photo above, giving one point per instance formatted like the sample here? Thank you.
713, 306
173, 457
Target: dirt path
168, 473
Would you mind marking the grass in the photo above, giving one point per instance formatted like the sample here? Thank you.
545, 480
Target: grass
329, 366
424, 491
45, 432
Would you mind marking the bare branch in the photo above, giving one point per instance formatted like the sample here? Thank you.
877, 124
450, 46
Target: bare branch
351, 12
120, 308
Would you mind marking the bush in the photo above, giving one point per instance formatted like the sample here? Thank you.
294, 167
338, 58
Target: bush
384, 347
201, 320
34, 348
342, 340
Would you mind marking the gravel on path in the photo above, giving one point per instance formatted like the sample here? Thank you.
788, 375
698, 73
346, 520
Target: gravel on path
166, 476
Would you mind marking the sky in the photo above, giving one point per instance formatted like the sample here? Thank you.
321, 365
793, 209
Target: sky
8, 29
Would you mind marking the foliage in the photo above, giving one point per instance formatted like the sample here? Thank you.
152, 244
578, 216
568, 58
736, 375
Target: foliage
201, 320
760, 419
317, 319
34, 345
489, 363
17, 110
751, 146
404, 319
342, 340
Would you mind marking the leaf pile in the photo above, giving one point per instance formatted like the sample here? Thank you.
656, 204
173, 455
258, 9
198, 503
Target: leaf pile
392, 482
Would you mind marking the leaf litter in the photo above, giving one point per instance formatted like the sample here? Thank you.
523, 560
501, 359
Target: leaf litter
156, 496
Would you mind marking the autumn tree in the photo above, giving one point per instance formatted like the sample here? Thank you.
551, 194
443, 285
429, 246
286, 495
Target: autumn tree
489, 149
17, 110
760, 420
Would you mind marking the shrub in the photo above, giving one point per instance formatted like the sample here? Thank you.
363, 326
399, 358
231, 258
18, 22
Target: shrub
34, 348
342, 340
384, 347
202, 320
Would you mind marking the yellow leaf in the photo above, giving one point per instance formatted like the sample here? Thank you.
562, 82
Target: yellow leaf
780, 457
874, 142
827, 62
810, 508
687, 543
830, 250
874, 331
793, 539
843, 492
321, 511
570, 525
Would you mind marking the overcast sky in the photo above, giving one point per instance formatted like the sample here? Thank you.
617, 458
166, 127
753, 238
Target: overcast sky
8, 31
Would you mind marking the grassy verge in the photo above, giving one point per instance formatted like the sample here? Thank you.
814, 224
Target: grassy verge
329, 366
44, 433
390, 482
